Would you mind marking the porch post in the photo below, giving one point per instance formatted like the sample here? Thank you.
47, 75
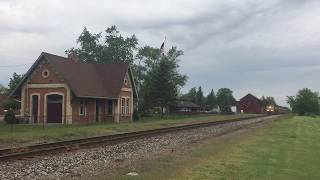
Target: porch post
117, 111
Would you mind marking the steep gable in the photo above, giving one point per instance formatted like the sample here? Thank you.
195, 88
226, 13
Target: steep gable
126, 82
250, 97
45, 74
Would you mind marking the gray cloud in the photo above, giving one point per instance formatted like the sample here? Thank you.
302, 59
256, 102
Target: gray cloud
263, 47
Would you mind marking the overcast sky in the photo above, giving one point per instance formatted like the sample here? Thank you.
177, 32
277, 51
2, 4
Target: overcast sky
263, 47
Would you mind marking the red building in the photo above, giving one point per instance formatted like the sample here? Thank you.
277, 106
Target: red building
249, 104
64, 90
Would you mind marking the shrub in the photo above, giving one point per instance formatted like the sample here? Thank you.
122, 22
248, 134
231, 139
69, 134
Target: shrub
11, 104
10, 117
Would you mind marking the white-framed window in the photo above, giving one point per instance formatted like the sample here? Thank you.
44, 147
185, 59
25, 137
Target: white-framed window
126, 81
127, 106
45, 73
83, 107
123, 102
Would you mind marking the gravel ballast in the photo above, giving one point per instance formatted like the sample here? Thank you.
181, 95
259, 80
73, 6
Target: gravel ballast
79, 163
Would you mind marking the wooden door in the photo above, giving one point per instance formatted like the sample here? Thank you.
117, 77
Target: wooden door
54, 109
35, 107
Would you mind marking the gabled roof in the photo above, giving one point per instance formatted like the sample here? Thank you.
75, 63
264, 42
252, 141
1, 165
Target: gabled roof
89, 80
186, 104
249, 96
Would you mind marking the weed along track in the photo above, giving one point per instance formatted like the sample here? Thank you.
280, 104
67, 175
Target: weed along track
70, 145
87, 160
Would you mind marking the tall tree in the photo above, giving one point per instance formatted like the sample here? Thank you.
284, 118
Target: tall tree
146, 58
110, 48
211, 100
163, 81
200, 97
305, 102
225, 100
14, 82
191, 95
267, 101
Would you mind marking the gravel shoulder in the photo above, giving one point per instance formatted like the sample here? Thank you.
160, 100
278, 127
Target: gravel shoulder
89, 163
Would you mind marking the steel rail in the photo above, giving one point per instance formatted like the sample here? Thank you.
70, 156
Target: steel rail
39, 149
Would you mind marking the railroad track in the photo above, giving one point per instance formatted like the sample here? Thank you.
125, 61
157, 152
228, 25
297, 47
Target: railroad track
40, 149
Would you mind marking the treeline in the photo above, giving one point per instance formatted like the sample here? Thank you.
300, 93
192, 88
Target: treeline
223, 99
305, 102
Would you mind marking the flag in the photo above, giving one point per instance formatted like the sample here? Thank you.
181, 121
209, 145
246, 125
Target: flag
162, 47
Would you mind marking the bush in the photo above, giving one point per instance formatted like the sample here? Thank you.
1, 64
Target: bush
136, 115
11, 104
10, 117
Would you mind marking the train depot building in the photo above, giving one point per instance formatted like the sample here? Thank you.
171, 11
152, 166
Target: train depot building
249, 104
64, 90
184, 107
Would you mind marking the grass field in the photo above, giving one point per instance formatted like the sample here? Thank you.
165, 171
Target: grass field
285, 149
27, 133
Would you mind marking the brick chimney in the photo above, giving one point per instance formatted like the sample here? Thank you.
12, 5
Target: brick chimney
73, 57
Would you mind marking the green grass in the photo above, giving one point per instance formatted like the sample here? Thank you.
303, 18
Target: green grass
27, 133
285, 149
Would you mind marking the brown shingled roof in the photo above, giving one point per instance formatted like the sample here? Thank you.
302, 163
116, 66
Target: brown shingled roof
89, 79
188, 104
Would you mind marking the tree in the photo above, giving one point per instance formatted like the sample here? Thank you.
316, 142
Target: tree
211, 100
14, 82
110, 48
267, 101
225, 100
200, 97
305, 102
146, 59
11, 104
191, 95
163, 82
149, 56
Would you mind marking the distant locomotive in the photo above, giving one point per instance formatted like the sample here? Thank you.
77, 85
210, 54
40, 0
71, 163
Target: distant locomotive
271, 109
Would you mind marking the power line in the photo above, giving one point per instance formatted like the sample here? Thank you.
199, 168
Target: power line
17, 65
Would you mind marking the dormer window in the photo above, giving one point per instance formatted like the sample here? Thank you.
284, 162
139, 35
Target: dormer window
126, 82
